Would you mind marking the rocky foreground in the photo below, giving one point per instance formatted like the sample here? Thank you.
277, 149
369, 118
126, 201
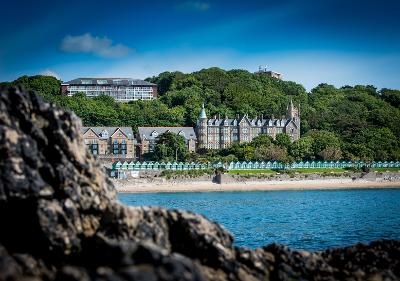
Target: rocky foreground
60, 220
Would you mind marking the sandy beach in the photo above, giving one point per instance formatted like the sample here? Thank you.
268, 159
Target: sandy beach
199, 186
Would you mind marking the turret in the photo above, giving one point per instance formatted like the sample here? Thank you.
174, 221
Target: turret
201, 128
293, 127
292, 112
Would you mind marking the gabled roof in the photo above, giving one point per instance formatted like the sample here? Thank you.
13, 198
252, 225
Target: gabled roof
146, 132
127, 131
244, 118
253, 122
84, 130
119, 130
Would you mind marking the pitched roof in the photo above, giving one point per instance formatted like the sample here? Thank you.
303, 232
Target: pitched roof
147, 132
110, 130
203, 114
252, 122
109, 81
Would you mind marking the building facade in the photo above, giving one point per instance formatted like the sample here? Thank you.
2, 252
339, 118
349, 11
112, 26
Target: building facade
217, 133
264, 71
110, 142
121, 89
147, 137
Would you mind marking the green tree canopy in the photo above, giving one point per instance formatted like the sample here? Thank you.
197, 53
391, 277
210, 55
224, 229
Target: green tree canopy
355, 120
170, 147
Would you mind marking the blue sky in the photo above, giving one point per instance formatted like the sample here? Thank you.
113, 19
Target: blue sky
309, 41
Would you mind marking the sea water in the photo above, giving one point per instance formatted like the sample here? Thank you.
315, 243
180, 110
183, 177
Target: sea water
311, 220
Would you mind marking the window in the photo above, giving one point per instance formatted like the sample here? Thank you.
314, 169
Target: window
86, 82
101, 82
94, 147
115, 147
123, 147
104, 134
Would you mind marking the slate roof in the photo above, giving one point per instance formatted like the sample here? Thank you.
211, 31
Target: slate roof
147, 132
253, 122
111, 130
109, 81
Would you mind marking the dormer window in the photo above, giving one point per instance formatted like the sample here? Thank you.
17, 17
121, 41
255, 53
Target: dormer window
154, 134
181, 133
104, 134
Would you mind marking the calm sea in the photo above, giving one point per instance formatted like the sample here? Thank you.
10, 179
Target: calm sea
312, 220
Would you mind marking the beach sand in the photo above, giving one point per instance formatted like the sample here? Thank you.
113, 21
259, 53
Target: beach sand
201, 186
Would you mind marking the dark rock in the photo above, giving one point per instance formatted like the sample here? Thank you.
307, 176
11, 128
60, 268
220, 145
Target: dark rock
60, 220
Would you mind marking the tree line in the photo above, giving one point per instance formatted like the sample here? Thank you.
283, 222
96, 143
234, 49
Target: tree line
352, 123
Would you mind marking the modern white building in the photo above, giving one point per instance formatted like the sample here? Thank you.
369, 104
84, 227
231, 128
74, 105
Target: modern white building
121, 89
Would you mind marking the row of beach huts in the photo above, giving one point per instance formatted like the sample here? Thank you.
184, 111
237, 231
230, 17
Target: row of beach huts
249, 165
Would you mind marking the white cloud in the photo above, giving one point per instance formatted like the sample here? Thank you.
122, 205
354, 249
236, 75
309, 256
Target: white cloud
100, 46
48, 72
193, 6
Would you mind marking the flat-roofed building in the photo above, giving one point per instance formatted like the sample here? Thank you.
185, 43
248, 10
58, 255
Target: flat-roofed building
110, 142
264, 71
147, 137
121, 89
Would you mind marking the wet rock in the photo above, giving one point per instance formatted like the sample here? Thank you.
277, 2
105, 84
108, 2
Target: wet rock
60, 220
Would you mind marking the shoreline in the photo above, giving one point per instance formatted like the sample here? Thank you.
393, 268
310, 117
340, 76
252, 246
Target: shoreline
171, 187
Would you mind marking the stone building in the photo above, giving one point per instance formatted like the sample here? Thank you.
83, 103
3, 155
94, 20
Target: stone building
216, 133
147, 137
110, 142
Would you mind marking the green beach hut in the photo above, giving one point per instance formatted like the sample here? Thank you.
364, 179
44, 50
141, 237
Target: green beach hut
116, 165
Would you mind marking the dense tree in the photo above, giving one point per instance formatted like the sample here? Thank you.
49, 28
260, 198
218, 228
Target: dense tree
46, 86
302, 149
391, 96
262, 140
170, 147
283, 140
355, 122
321, 140
271, 152
331, 153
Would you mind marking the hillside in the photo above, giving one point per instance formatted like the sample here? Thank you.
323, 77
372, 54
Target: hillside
357, 122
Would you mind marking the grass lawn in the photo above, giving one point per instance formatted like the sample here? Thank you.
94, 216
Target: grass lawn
320, 170
384, 169
262, 171
310, 170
